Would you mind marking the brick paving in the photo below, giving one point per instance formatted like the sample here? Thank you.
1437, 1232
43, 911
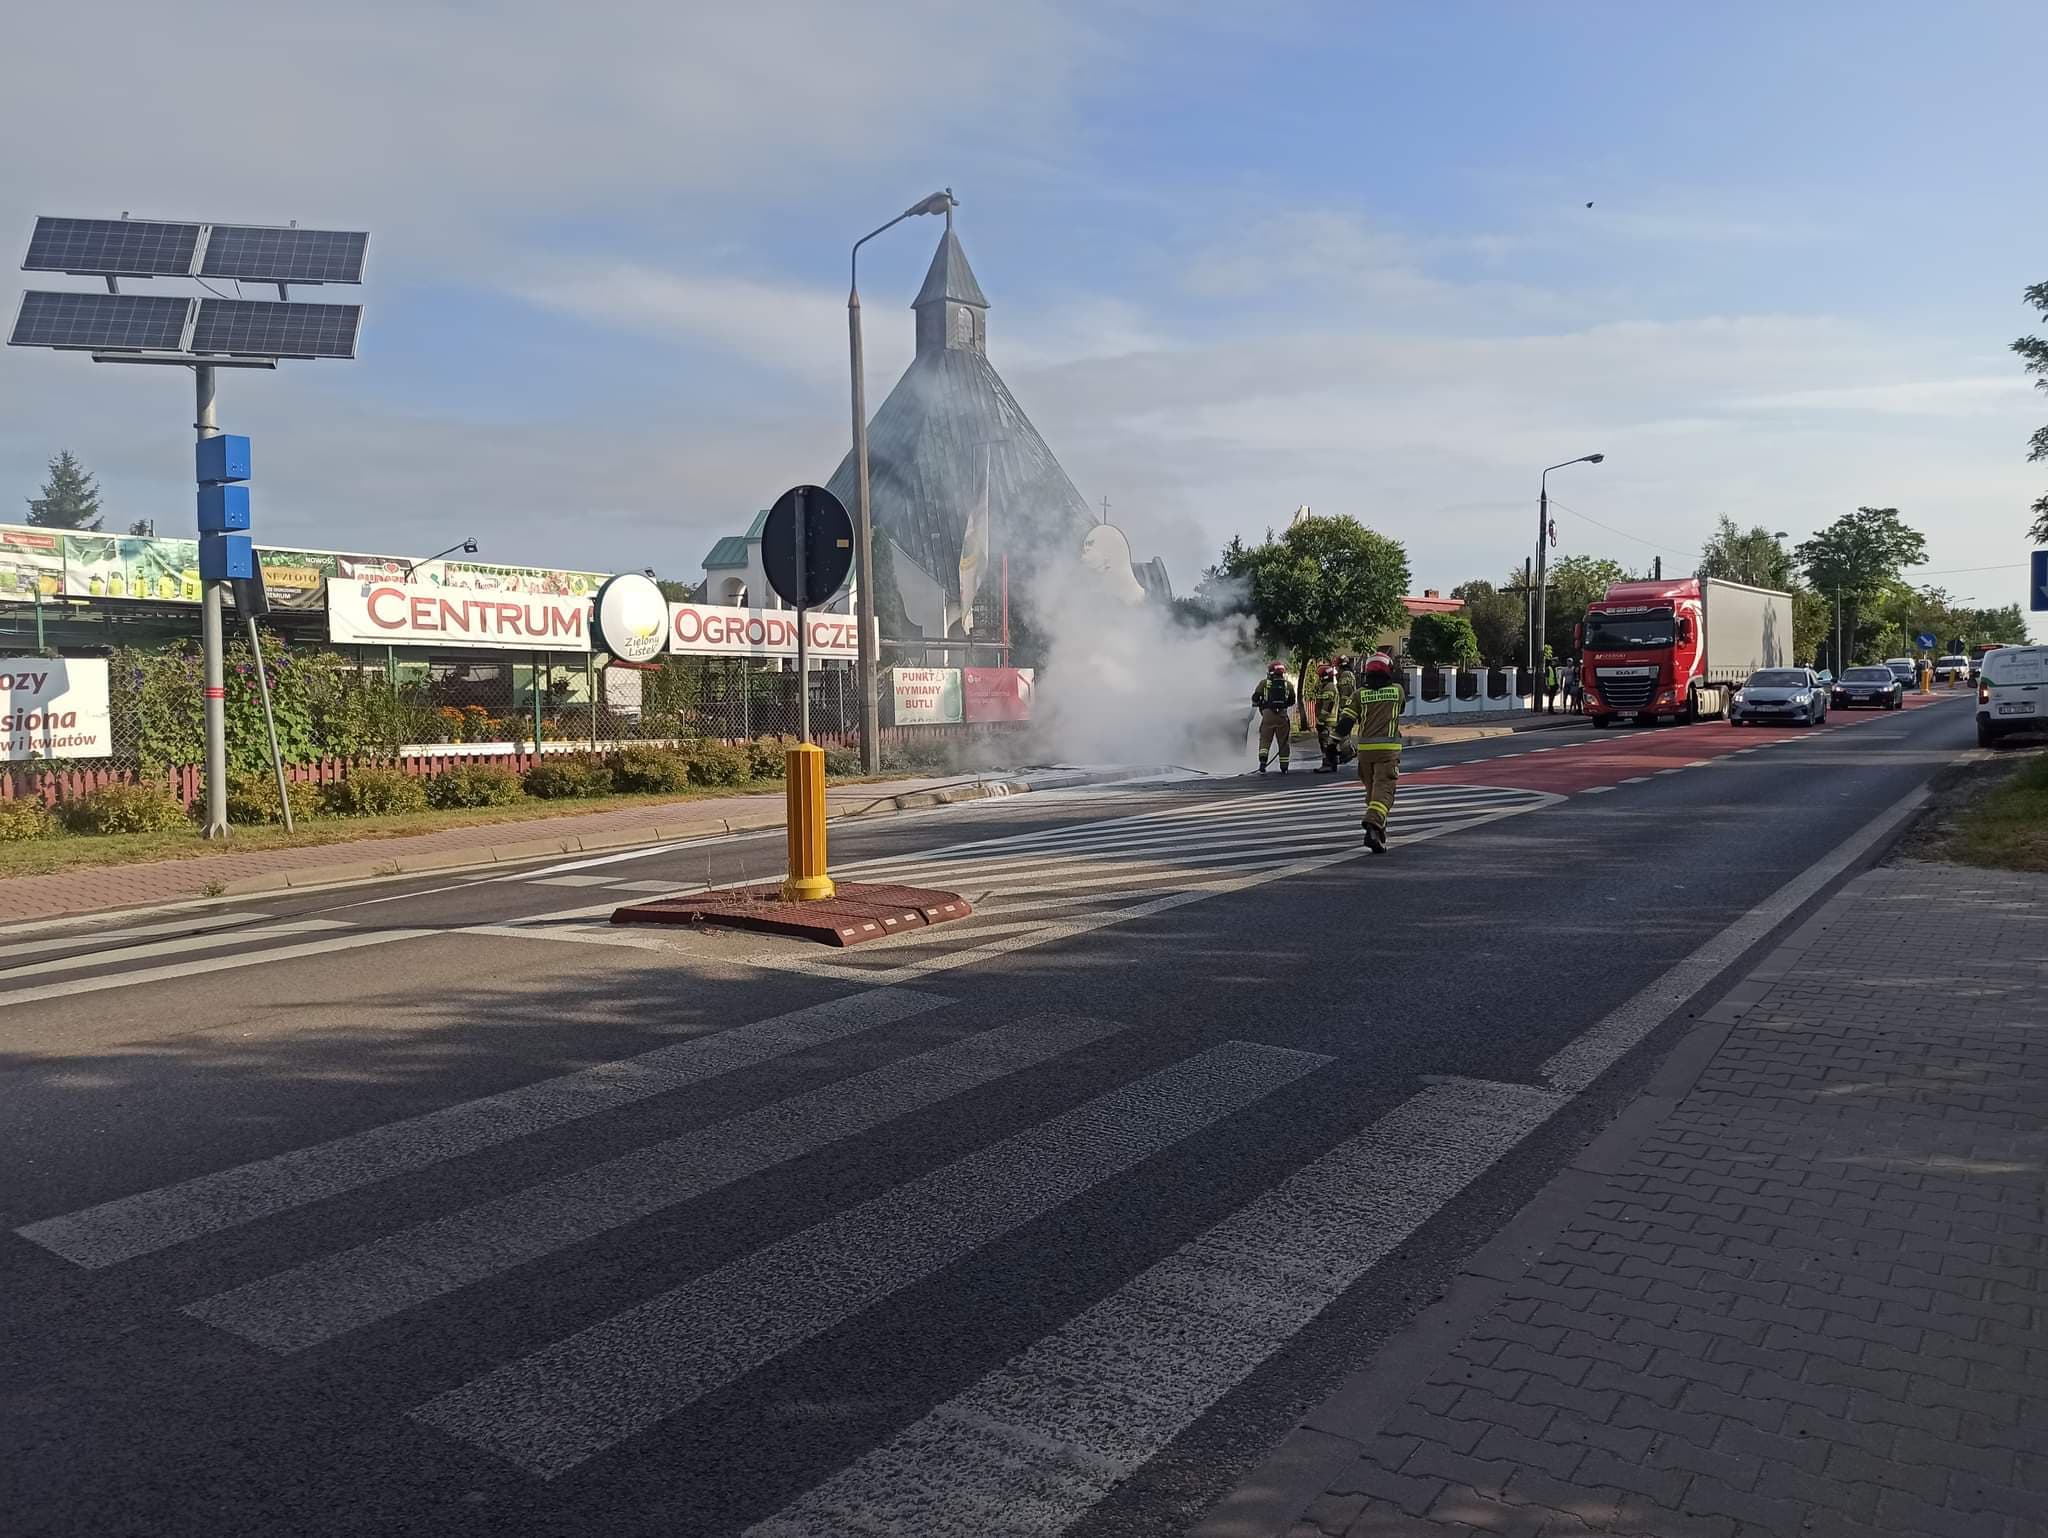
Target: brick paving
90, 889
1811, 1302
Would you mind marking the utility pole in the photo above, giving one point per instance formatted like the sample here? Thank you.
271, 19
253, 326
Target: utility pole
1543, 547
206, 423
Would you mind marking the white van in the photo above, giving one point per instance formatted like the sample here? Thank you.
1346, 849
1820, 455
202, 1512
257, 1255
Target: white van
2012, 692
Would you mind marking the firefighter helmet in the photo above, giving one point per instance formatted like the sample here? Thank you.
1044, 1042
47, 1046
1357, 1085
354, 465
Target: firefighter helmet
1278, 669
1379, 662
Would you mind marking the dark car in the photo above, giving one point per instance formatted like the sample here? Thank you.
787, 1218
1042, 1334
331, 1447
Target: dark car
1780, 694
1877, 687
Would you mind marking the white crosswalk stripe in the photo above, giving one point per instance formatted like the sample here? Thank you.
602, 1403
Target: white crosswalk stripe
1027, 1448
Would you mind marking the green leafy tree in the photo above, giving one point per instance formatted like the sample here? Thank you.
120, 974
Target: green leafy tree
1325, 584
1856, 559
1442, 640
1497, 621
2006, 626
1753, 557
1575, 582
70, 499
2034, 350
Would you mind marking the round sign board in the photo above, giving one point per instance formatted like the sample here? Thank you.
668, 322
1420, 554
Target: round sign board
807, 557
630, 618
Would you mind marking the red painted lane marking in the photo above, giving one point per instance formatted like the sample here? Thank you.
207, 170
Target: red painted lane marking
1633, 753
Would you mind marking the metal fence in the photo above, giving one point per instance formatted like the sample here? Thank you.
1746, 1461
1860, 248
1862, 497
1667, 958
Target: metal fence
428, 712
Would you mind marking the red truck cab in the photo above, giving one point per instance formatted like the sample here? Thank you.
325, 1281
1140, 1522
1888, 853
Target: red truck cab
1678, 649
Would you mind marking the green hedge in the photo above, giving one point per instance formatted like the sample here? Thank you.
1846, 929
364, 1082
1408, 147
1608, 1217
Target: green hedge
374, 793
127, 809
252, 798
474, 785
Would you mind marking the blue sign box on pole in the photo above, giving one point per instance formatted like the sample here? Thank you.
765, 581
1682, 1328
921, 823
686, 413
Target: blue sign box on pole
226, 557
224, 457
2037, 583
223, 509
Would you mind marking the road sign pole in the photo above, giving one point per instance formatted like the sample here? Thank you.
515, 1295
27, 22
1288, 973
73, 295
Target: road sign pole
803, 629
863, 557
284, 795
206, 424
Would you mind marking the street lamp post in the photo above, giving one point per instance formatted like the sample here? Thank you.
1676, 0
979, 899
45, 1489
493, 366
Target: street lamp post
863, 535
1542, 563
467, 547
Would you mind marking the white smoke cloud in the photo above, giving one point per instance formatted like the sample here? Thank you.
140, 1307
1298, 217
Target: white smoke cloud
1126, 683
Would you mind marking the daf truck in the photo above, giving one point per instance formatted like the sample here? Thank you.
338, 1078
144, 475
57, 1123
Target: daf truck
1678, 649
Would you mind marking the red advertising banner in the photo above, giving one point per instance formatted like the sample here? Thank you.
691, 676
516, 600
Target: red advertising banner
997, 694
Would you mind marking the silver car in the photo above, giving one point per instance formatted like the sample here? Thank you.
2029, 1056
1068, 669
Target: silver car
1780, 694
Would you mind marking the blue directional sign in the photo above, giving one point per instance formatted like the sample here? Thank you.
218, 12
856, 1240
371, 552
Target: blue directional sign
2037, 583
1924, 641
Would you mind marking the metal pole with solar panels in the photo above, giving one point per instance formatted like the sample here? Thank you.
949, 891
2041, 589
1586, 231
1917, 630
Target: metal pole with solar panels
204, 333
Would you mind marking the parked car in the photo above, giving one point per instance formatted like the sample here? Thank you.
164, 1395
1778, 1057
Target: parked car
1877, 687
2012, 692
1905, 669
1950, 668
1780, 694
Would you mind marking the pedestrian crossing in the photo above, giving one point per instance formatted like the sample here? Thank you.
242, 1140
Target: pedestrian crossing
1076, 1109
1055, 883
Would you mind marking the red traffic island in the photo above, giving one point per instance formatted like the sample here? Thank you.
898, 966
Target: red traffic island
857, 913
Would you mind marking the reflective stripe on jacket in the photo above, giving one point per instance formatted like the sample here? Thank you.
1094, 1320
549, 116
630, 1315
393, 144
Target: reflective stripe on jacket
1379, 716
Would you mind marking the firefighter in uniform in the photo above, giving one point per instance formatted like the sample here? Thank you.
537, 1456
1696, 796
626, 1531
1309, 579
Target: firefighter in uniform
1274, 700
1324, 697
1381, 699
1344, 720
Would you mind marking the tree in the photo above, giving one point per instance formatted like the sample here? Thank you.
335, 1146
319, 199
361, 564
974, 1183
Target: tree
1497, 621
1575, 582
2035, 350
1324, 584
145, 527
70, 499
1855, 559
1442, 640
1754, 558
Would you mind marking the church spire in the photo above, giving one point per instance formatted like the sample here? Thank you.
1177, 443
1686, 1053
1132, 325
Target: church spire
952, 311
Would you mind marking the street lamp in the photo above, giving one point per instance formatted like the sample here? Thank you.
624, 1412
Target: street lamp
863, 536
1542, 551
467, 547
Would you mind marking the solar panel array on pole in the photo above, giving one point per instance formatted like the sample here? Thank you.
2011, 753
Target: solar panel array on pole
105, 322
157, 248
119, 248
270, 255
258, 328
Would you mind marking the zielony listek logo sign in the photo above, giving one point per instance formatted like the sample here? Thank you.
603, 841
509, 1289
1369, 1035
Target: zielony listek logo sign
630, 618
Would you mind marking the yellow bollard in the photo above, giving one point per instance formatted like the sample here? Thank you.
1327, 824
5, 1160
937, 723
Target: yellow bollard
805, 789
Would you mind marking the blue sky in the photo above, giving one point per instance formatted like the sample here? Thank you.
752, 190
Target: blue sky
1333, 254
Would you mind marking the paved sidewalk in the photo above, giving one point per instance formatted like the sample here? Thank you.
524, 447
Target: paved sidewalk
91, 889
1806, 1298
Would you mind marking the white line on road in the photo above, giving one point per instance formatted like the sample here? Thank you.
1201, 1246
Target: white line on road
324, 1298
196, 927
153, 1220
213, 940
347, 941
1035, 1444
567, 1402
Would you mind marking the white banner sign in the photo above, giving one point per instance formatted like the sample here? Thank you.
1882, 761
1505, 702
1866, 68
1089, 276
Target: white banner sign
403, 614
55, 709
382, 613
926, 696
716, 630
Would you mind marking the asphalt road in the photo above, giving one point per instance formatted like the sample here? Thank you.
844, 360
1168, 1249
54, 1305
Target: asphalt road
448, 1207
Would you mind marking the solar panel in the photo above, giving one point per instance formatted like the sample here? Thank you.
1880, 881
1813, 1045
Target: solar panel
109, 322
267, 254
121, 248
254, 328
